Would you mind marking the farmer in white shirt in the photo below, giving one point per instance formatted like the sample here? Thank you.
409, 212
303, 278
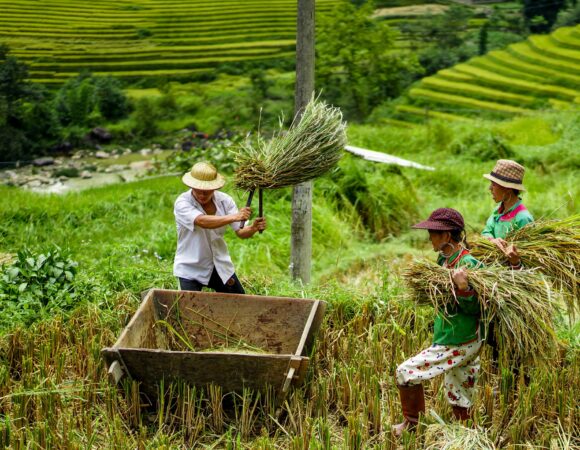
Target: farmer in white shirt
201, 214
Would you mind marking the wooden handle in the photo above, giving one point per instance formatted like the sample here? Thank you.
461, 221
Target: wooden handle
248, 204
261, 205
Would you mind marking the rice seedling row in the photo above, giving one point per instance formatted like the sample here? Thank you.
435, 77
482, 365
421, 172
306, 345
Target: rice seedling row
544, 45
423, 113
465, 102
564, 37
526, 53
506, 64
492, 79
475, 91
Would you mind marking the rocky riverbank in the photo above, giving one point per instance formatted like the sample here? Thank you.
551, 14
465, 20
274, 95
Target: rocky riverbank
84, 169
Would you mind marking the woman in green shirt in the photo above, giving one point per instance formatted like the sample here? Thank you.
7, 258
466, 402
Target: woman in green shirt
456, 341
510, 214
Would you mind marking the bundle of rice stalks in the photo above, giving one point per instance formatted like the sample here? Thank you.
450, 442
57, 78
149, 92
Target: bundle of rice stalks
551, 246
520, 302
456, 437
311, 147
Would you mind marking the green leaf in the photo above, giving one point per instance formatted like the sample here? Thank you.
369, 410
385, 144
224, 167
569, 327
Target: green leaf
22, 287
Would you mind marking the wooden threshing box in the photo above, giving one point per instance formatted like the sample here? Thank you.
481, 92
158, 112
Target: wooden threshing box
282, 328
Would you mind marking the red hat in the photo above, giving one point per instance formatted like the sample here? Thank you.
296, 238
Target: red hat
442, 219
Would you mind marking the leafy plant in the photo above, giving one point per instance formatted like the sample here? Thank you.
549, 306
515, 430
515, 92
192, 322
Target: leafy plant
36, 285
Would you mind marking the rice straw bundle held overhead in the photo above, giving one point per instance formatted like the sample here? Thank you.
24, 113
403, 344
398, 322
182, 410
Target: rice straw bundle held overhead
311, 147
551, 246
519, 301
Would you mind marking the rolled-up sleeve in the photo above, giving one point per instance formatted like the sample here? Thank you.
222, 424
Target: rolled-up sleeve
231, 208
185, 214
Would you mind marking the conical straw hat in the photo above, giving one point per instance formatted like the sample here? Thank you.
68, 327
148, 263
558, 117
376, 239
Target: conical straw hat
203, 176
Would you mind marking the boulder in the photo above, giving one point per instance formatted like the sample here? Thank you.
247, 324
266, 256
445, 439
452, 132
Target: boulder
85, 174
101, 135
102, 155
116, 168
33, 183
141, 165
45, 161
63, 147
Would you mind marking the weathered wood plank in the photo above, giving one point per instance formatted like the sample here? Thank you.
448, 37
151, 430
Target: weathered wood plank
141, 331
275, 324
232, 372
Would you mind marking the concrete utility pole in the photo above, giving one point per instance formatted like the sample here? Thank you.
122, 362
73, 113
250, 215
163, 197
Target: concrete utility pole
301, 247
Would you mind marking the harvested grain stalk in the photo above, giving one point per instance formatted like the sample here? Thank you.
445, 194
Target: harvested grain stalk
457, 437
223, 339
519, 301
551, 246
310, 148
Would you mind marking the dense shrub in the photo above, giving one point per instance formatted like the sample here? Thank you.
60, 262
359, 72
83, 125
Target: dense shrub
380, 196
35, 286
356, 67
86, 100
483, 145
145, 117
540, 16
111, 100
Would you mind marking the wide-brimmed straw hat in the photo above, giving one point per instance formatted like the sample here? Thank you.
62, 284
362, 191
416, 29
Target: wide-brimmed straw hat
442, 219
203, 176
508, 174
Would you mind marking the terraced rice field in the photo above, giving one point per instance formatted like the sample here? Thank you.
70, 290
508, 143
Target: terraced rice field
540, 73
146, 38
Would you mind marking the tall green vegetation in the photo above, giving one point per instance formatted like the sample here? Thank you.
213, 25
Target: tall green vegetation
541, 15
33, 120
87, 101
27, 120
356, 67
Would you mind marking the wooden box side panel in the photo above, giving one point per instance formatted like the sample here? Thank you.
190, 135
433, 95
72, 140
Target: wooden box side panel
273, 324
232, 372
142, 331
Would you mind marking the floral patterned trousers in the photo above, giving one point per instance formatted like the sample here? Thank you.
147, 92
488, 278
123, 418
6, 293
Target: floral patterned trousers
459, 363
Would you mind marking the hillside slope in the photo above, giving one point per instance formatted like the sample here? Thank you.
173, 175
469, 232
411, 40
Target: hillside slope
136, 38
540, 73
